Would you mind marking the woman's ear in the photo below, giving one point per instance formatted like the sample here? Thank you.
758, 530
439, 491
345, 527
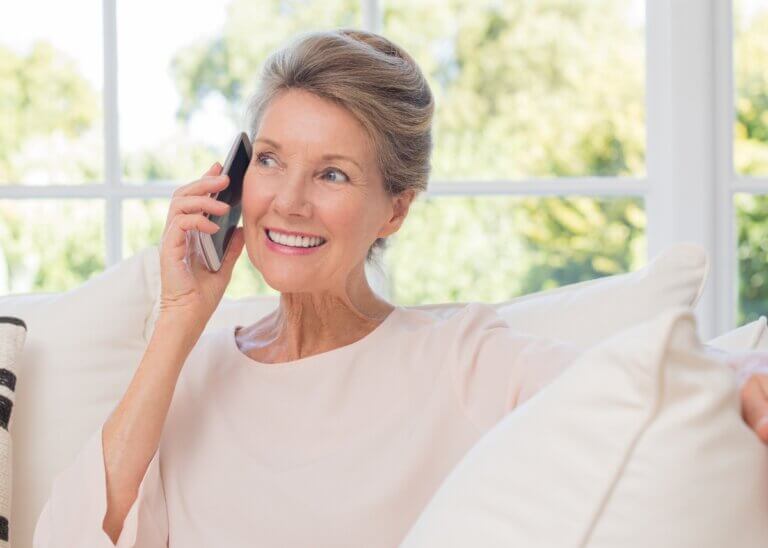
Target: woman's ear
401, 204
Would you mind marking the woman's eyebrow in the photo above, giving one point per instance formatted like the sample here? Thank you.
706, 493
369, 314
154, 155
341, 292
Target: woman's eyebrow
341, 157
270, 142
277, 146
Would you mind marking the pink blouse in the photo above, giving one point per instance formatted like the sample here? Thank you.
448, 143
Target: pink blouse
339, 449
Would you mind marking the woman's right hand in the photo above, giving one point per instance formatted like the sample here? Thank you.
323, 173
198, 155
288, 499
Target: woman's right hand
188, 288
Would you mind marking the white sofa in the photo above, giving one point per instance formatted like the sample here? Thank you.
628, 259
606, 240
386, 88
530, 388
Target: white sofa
83, 345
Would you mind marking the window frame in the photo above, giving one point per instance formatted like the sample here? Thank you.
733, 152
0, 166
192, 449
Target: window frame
689, 106
689, 84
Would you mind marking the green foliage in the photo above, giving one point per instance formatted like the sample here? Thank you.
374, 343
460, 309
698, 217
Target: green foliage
493, 248
229, 63
50, 245
526, 89
752, 256
751, 158
570, 240
40, 93
751, 78
177, 161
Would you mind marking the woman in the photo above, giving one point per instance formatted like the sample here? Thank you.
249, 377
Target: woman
331, 421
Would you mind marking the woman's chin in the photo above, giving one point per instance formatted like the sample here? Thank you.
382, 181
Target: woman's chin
290, 282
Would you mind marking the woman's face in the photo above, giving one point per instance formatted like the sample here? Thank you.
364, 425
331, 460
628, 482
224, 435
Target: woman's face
314, 171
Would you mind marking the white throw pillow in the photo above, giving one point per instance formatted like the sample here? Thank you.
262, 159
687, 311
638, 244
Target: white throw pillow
639, 443
82, 347
13, 333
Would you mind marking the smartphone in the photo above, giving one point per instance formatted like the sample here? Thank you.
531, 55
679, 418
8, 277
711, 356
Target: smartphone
214, 246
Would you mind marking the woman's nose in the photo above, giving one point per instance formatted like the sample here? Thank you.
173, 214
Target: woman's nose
291, 196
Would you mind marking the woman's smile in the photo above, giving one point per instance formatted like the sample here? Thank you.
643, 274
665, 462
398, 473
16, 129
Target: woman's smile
291, 245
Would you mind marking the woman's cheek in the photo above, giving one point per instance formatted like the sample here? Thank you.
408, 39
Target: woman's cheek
254, 198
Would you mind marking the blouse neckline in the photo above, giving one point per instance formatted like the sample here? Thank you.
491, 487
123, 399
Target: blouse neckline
322, 356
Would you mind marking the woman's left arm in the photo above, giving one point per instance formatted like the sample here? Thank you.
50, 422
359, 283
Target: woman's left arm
751, 369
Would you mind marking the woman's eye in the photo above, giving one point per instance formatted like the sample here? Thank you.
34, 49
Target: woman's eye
262, 156
337, 172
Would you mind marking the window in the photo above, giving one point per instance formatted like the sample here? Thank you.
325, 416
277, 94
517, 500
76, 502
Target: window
527, 93
750, 23
573, 138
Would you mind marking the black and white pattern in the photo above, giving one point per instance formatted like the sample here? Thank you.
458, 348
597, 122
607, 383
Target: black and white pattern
13, 333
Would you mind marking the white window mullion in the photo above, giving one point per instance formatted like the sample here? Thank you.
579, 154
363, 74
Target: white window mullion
681, 146
726, 275
561, 186
113, 209
741, 183
371, 15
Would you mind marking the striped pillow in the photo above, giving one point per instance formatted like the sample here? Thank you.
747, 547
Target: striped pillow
13, 332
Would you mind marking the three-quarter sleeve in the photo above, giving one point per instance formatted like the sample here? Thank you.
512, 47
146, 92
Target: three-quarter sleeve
73, 515
497, 368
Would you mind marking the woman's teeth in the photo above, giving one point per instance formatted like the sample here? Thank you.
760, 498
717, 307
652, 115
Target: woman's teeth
294, 241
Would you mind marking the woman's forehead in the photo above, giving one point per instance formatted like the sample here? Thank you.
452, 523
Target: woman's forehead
300, 120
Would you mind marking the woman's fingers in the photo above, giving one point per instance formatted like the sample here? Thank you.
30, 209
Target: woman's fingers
197, 196
176, 237
205, 185
754, 404
197, 204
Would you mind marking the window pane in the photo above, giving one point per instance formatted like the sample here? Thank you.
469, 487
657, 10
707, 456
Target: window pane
493, 248
750, 19
56, 255
51, 93
182, 93
752, 227
144, 221
530, 89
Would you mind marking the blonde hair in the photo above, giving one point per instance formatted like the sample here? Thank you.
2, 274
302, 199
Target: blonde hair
374, 79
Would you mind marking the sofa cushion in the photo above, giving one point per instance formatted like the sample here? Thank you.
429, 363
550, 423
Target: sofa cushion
639, 443
82, 347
